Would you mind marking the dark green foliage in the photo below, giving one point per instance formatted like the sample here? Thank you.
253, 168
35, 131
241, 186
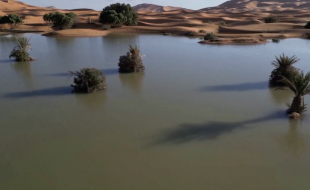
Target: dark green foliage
20, 52
202, 31
284, 68
88, 80
190, 33
118, 14
72, 15
271, 19
210, 37
132, 62
299, 83
59, 20
275, 40
307, 26
11, 19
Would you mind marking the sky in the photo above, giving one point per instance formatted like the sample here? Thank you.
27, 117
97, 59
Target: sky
100, 4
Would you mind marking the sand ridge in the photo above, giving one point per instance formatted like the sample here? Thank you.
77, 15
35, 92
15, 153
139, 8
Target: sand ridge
235, 18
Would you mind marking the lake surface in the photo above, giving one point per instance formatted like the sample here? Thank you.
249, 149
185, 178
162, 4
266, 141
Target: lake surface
200, 117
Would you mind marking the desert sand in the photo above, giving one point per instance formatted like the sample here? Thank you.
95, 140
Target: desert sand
243, 19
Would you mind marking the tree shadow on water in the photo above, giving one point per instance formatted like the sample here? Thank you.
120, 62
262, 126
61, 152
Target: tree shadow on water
106, 72
236, 87
57, 91
210, 130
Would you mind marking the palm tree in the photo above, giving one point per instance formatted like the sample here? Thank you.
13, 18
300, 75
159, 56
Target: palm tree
283, 67
20, 52
132, 62
299, 84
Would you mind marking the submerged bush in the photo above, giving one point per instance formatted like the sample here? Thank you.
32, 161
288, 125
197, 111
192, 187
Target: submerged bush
275, 40
132, 62
284, 68
88, 80
190, 33
271, 19
20, 52
210, 36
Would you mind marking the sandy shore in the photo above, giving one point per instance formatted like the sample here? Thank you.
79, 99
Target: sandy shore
230, 21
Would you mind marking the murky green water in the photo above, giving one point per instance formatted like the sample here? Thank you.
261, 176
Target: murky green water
200, 117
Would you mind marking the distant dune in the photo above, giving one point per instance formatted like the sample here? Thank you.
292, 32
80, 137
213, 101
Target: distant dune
238, 18
154, 8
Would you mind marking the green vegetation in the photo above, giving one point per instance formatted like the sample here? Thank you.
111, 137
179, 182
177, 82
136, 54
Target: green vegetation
12, 19
132, 62
275, 40
300, 85
210, 37
222, 23
307, 26
88, 80
202, 31
190, 33
59, 20
271, 19
283, 68
118, 14
20, 52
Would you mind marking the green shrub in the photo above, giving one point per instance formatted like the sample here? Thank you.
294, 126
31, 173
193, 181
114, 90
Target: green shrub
59, 20
190, 33
222, 23
132, 62
271, 19
88, 80
275, 40
210, 36
12, 19
20, 52
307, 26
118, 15
167, 34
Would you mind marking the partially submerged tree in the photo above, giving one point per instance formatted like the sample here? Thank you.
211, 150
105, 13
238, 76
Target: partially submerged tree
132, 62
12, 19
210, 37
20, 52
88, 80
284, 68
118, 14
299, 84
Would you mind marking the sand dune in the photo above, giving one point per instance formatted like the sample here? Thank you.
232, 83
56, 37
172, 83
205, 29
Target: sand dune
154, 8
241, 18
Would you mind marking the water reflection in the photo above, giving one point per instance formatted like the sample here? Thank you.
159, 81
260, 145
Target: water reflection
24, 71
134, 81
293, 141
280, 97
92, 101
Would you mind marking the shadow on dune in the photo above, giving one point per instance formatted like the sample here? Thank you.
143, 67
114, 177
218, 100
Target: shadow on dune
57, 91
210, 130
106, 72
236, 87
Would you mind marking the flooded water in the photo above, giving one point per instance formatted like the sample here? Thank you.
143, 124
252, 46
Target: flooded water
200, 117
